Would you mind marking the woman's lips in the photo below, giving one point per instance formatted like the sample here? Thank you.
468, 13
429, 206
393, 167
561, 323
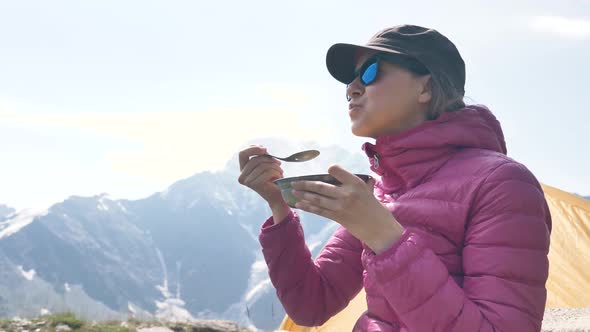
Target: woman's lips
352, 108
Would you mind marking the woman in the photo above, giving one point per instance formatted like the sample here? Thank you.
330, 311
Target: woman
452, 236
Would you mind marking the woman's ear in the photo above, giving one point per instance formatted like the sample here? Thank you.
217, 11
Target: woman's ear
424, 89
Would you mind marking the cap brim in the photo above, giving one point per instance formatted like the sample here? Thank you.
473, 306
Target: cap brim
341, 59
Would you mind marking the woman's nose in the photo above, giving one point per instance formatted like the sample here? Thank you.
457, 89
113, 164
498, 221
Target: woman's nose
354, 89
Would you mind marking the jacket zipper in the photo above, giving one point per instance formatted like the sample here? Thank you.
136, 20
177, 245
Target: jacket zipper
376, 160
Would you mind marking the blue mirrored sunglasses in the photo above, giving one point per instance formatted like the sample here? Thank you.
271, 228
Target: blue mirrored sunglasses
369, 70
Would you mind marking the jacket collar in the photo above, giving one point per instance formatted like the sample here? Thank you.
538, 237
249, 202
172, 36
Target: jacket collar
407, 159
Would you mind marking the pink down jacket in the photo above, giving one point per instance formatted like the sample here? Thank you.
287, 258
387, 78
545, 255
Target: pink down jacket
473, 255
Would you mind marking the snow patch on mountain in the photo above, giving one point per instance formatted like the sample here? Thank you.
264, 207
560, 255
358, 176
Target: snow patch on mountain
172, 308
122, 207
250, 230
318, 239
164, 287
6, 211
102, 205
29, 275
19, 221
259, 284
259, 280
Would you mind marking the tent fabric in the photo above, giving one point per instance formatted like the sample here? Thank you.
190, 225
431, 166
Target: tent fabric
568, 285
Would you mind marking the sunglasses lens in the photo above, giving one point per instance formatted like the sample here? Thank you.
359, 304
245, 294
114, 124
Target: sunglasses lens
369, 74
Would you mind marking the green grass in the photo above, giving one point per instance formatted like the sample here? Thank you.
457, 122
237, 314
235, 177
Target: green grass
49, 323
79, 325
4, 323
66, 318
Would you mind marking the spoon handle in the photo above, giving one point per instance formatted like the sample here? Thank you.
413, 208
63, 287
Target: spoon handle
270, 155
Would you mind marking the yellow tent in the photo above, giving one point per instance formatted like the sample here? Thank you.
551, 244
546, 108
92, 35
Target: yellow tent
569, 266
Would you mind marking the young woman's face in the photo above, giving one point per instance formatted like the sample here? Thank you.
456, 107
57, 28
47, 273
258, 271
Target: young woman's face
396, 101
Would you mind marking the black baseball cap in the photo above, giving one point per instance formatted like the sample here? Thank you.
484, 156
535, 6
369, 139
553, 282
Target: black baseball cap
429, 47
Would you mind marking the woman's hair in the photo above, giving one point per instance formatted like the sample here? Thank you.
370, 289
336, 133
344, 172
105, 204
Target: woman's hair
446, 97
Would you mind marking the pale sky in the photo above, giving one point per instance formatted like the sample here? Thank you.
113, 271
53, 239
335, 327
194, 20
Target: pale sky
127, 97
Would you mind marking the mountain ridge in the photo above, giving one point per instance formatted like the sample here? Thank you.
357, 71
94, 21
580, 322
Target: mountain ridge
188, 252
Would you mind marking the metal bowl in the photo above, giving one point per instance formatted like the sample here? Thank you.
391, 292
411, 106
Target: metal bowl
286, 188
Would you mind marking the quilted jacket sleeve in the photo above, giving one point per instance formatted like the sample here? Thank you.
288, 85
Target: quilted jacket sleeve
311, 291
505, 264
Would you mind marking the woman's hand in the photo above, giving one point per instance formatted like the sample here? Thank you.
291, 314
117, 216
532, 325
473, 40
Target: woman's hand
353, 206
258, 173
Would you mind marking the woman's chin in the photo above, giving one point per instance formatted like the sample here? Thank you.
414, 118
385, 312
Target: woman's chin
363, 131
359, 131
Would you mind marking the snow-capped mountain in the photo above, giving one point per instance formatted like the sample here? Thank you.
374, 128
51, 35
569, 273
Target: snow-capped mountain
190, 251
5, 211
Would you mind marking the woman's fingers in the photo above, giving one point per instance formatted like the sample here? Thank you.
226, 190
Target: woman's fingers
257, 163
244, 155
322, 188
264, 178
317, 200
260, 172
257, 173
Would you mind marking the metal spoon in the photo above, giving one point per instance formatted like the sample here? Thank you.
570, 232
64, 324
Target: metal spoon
299, 156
